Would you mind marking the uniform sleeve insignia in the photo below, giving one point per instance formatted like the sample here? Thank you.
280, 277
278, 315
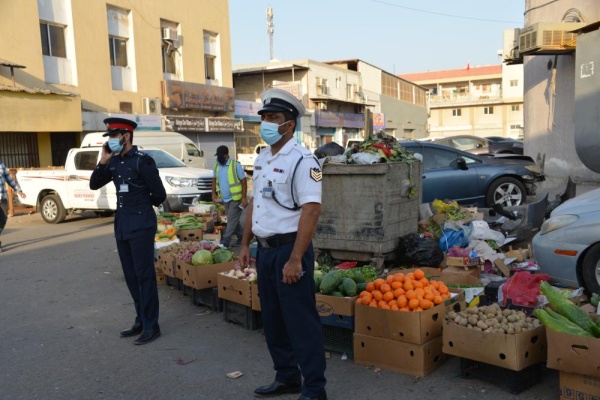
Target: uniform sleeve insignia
316, 174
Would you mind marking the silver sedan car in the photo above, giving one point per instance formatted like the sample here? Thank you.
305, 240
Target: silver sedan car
568, 244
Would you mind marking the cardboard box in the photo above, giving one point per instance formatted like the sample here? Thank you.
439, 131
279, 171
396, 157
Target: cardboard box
472, 295
574, 354
255, 298
189, 275
514, 351
406, 358
215, 237
520, 254
457, 302
576, 387
160, 276
409, 327
203, 276
190, 235
465, 262
336, 311
233, 289
460, 276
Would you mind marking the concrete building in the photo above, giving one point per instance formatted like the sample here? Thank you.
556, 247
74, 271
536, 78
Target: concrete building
336, 95
562, 92
481, 101
66, 65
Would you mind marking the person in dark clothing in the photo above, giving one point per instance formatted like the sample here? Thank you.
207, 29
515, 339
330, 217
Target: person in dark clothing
139, 187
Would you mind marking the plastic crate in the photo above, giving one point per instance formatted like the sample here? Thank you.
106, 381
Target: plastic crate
172, 281
491, 291
187, 290
241, 315
341, 321
339, 340
514, 381
208, 297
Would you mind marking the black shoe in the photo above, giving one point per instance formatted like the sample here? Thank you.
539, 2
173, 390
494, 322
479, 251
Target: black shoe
277, 388
135, 330
321, 397
148, 336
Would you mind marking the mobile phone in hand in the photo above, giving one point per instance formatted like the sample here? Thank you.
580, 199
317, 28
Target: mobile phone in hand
107, 148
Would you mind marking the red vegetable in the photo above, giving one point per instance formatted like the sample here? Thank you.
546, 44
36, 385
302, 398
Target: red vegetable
346, 265
383, 147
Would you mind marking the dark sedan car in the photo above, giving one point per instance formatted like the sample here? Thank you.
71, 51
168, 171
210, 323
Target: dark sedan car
481, 180
480, 145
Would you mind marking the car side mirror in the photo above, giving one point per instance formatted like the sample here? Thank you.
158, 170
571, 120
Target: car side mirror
460, 163
201, 153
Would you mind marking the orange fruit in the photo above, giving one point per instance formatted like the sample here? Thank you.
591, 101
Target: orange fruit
373, 304
426, 304
384, 306
404, 309
394, 307
408, 286
388, 296
418, 309
378, 283
398, 277
392, 302
413, 303
385, 288
443, 289
445, 296
363, 293
417, 284
382, 303
410, 276
398, 292
424, 281
411, 294
438, 300
359, 300
429, 296
370, 286
389, 279
402, 301
420, 292
367, 298
397, 285
419, 274
377, 295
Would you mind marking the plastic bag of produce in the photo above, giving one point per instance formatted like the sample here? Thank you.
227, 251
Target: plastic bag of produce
421, 251
522, 288
451, 238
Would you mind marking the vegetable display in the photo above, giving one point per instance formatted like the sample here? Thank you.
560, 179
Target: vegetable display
248, 273
569, 311
202, 257
400, 292
492, 319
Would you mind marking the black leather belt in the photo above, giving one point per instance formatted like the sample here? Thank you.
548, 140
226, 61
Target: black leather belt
277, 240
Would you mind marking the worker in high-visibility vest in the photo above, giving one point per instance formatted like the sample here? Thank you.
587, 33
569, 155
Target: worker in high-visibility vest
229, 184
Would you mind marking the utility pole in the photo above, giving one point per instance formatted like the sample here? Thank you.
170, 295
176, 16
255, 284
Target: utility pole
270, 29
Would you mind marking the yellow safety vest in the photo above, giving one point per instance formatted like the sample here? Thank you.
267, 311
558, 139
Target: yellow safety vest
235, 185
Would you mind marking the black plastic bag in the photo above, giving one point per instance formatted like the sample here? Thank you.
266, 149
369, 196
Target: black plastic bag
422, 251
329, 149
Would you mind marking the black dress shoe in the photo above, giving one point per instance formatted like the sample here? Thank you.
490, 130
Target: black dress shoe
321, 397
147, 336
277, 388
136, 329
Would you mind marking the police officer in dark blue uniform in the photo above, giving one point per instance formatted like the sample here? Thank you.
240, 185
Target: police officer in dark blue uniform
139, 187
283, 217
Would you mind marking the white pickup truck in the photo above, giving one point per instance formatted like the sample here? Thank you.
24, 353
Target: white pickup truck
247, 159
58, 192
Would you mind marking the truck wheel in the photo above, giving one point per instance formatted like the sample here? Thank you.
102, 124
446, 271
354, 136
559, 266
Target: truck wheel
53, 211
506, 192
590, 269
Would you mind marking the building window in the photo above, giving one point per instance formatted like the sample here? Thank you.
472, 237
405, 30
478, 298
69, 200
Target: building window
488, 110
514, 82
515, 107
515, 127
212, 66
457, 112
53, 40
118, 51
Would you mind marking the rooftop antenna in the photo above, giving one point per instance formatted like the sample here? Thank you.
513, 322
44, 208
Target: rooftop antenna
270, 29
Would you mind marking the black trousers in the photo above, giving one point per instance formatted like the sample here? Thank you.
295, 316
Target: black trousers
3, 213
137, 261
291, 323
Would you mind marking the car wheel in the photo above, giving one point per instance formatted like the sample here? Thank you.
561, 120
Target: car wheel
506, 192
164, 207
590, 269
53, 211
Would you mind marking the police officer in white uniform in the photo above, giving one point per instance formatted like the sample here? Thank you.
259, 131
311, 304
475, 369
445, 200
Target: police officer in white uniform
283, 217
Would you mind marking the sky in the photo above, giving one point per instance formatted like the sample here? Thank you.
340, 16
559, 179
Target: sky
398, 36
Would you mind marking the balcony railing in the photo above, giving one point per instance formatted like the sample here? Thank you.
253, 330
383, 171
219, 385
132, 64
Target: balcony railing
456, 98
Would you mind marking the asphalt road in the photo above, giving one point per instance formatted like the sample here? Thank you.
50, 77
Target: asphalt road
64, 301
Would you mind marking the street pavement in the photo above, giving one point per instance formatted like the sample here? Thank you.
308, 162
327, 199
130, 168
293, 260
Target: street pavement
64, 301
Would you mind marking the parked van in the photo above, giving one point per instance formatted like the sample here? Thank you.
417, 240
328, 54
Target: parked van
173, 143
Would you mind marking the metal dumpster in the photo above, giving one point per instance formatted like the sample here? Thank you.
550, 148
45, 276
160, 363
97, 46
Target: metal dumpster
367, 208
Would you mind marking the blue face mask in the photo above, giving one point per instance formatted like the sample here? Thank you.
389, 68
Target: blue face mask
115, 145
269, 132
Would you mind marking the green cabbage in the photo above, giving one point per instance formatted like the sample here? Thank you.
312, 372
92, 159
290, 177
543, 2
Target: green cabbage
202, 257
222, 256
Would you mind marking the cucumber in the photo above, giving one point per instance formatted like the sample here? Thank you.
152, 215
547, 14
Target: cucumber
558, 323
348, 287
568, 309
331, 281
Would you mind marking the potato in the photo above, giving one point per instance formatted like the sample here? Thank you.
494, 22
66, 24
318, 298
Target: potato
451, 315
482, 325
472, 320
463, 322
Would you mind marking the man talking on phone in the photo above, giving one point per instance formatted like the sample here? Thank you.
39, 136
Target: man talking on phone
139, 187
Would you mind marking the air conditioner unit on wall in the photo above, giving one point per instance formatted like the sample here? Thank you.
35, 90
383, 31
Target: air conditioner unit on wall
169, 34
151, 105
548, 38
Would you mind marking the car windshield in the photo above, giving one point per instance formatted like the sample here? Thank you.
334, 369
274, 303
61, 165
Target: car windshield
164, 159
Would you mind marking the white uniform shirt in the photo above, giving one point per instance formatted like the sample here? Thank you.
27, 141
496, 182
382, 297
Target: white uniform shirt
277, 172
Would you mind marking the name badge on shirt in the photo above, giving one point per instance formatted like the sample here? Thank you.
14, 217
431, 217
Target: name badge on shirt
123, 188
267, 192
